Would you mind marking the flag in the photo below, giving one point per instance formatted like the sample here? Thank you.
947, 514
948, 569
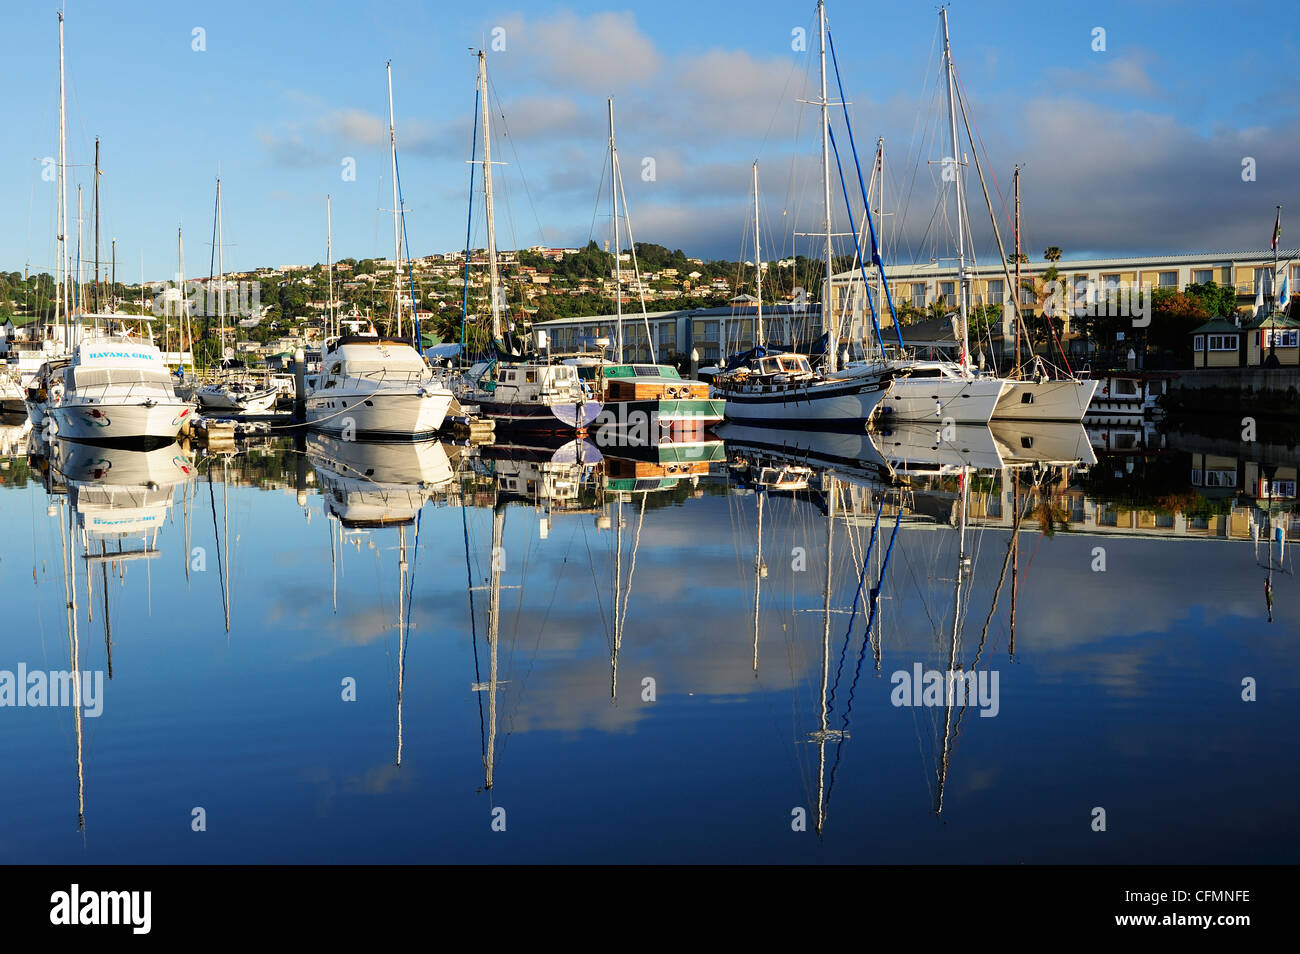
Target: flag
1284, 294
1277, 228
1259, 298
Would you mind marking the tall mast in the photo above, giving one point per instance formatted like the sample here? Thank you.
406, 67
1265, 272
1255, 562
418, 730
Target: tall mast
618, 273
832, 332
825, 733
1015, 373
221, 282
397, 228
618, 597
494, 626
493, 278
758, 575
961, 201
963, 568
96, 203
60, 286
880, 212
402, 567
112, 279
758, 277
329, 267
184, 307
81, 305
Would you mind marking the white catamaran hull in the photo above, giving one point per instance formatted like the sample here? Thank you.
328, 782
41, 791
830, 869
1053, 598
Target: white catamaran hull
386, 414
1066, 400
104, 421
829, 406
927, 399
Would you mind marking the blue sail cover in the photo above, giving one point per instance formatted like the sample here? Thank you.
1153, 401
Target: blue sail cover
744, 357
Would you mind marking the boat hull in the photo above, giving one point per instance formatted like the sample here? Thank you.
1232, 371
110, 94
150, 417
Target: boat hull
1066, 400
104, 422
834, 405
958, 400
416, 414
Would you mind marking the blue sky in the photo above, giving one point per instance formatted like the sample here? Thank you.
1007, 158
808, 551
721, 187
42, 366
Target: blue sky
1137, 148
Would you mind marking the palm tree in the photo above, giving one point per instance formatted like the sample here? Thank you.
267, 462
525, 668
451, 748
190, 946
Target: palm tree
1053, 253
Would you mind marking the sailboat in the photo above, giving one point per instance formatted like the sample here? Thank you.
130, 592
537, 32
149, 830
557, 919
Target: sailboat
231, 393
519, 394
53, 352
636, 392
1038, 395
373, 386
782, 389
947, 391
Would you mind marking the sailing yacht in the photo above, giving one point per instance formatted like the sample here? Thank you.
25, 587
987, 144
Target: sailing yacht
115, 387
379, 387
528, 394
947, 391
782, 389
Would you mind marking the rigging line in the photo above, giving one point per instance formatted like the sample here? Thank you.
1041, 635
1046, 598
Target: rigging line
862, 655
469, 225
523, 179
875, 323
410, 269
636, 272
636, 542
857, 596
217, 538
866, 200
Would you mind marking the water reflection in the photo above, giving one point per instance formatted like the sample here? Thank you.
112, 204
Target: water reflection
768, 613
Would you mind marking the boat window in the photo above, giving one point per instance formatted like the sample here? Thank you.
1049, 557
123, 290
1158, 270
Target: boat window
338, 366
100, 377
530, 377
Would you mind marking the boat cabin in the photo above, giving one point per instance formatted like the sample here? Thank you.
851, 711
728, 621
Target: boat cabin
534, 383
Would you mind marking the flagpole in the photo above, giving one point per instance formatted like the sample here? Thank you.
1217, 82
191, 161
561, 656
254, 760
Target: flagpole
1277, 234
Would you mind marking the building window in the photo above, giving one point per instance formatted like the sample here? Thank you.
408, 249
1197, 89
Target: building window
995, 292
1027, 296
918, 294
1201, 276
1168, 279
948, 294
1281, 338
1220, 478
1198, 343
1264, 280
1223, 342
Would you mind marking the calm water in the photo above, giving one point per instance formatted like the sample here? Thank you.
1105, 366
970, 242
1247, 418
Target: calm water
634, 716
